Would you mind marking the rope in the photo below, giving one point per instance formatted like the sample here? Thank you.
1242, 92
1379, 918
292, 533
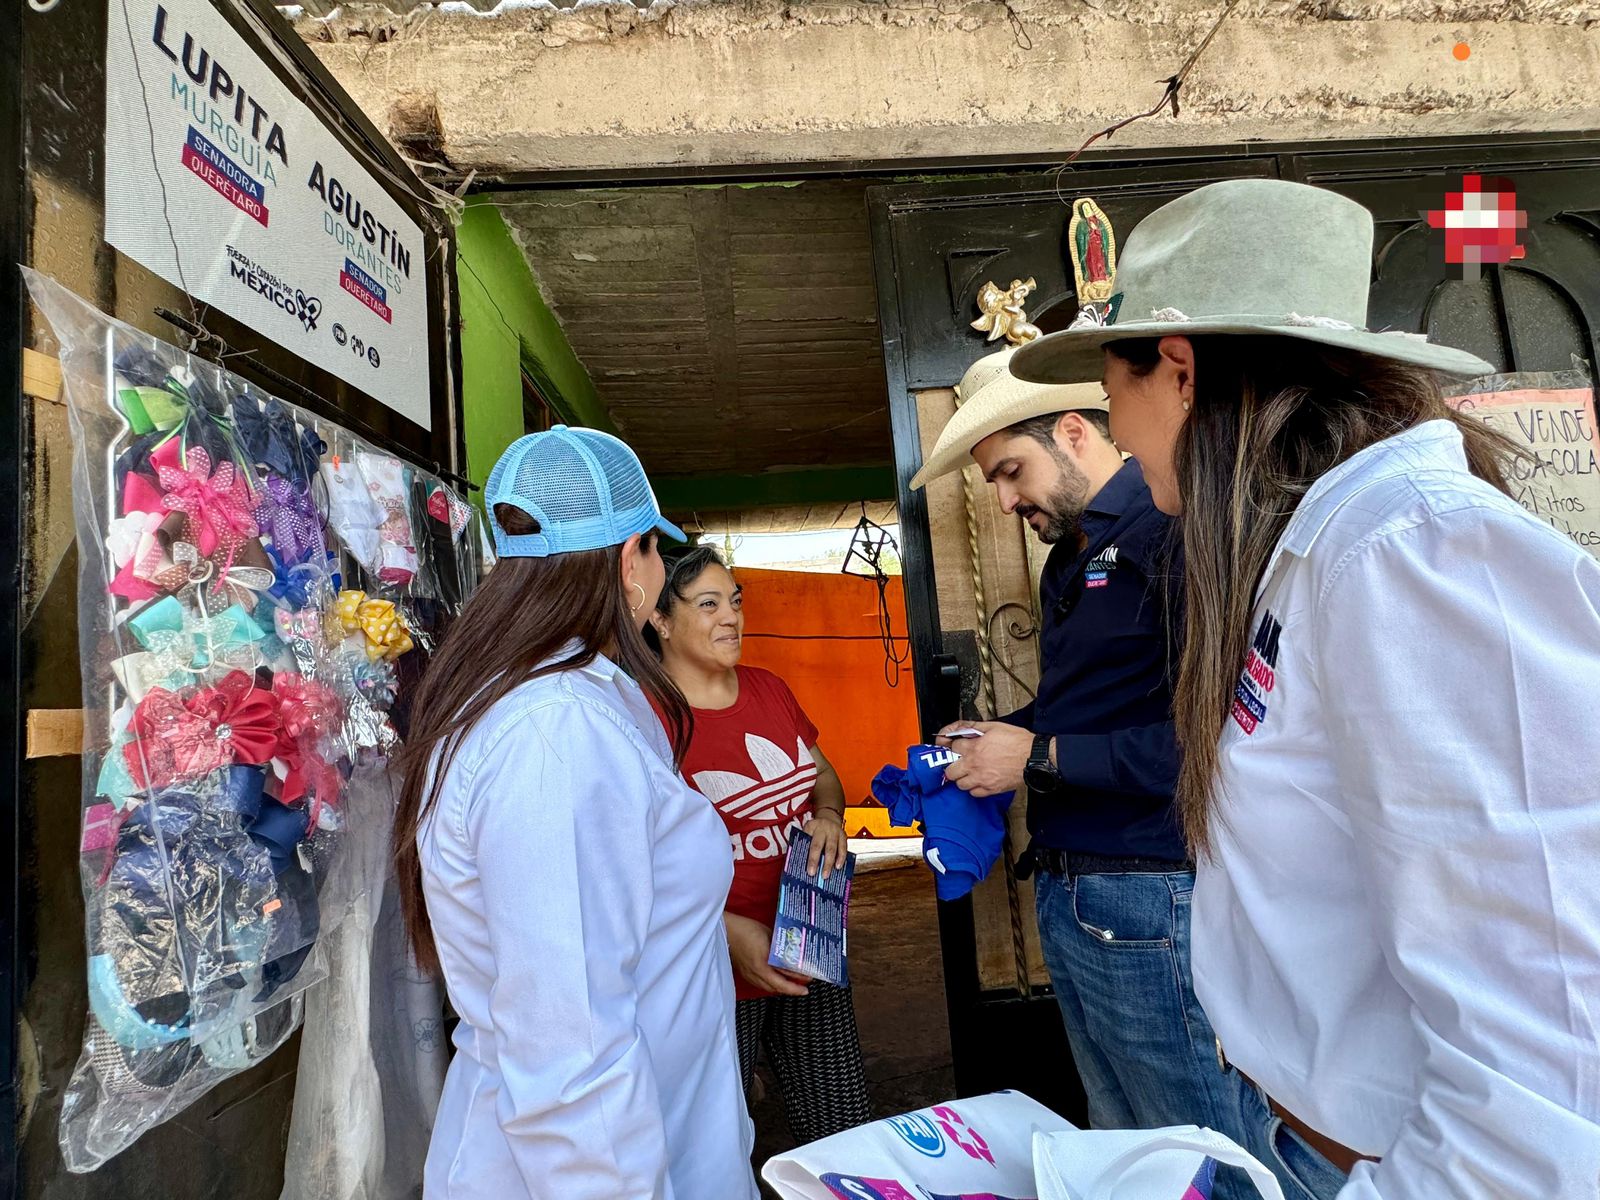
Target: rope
1019, 950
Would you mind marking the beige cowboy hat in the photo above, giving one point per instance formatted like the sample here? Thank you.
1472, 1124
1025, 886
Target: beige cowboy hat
1246, 256
992, 399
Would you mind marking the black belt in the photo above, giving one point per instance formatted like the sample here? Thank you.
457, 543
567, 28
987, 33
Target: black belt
1068, 863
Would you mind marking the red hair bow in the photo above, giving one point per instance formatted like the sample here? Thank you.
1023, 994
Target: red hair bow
184, 735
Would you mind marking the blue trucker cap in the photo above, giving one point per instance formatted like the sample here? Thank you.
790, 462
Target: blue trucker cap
585, 488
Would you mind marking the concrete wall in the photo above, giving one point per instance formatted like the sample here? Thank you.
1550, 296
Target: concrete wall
688, 82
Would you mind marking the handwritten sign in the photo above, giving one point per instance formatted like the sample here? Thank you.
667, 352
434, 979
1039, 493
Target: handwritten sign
1559, 480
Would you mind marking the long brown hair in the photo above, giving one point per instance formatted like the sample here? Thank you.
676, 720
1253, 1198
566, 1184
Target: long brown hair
517, 620
1270, 416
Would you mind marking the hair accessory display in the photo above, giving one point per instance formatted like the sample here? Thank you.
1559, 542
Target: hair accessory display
242, 605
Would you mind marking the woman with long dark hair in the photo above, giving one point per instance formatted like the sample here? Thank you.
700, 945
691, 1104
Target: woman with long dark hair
755, 756
1385, 705
554, 865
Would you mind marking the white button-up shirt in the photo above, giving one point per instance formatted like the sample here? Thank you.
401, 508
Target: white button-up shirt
576, 885
1399, 936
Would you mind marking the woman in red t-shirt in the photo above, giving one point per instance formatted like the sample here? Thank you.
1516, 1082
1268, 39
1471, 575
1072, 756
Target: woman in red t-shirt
754, 755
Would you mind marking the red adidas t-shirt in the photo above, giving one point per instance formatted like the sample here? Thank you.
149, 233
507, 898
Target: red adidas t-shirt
753, 762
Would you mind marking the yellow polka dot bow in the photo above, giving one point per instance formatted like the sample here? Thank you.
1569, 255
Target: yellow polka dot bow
376, 620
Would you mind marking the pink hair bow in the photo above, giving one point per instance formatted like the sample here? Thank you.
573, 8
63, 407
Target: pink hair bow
217, 506
306, 707
308, 711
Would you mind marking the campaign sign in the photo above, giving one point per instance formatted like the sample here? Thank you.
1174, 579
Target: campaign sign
220, 180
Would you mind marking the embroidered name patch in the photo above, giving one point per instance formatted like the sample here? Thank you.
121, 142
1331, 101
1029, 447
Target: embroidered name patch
1098, 572
1259, 676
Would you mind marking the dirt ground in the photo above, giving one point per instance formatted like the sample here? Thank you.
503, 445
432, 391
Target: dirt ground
898, 979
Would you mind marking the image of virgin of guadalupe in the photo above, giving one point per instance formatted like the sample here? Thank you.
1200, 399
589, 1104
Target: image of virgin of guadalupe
1093, 251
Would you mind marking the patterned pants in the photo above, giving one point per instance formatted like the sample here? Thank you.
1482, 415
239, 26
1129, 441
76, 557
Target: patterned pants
815, 1052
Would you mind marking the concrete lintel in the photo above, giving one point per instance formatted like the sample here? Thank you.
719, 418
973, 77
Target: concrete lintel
718, 82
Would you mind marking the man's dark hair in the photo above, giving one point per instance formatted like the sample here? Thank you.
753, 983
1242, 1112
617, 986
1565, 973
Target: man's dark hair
1043, 429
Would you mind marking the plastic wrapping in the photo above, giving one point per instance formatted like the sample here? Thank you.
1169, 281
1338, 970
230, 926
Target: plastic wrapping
336, 1142
244, 640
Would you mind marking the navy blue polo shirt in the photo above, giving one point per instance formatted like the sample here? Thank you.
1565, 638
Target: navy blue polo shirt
1106, 688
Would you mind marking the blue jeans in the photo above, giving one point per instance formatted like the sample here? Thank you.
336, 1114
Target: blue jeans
1302, 1172
1117, 948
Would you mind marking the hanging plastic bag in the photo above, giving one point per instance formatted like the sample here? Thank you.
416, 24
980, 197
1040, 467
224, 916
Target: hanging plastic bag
982, 1147
226, 703
1178, 1163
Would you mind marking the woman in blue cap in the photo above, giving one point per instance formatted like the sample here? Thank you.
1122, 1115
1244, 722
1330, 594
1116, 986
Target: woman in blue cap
556, 868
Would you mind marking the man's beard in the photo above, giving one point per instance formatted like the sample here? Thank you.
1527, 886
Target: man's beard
1063, 511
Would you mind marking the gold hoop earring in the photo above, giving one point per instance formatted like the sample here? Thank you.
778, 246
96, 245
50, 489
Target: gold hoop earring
635, 608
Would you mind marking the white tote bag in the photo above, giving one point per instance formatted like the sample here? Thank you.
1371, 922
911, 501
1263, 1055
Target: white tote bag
1139, 1164
980, 1148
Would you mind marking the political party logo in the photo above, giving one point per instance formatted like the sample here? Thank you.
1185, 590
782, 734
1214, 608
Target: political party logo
1482, 225
1259, 677
1098, 573
859, 1187
366, 289
248, 273
921, 1134
308, 309
372, 355
226, 177
963, 1135
340, 334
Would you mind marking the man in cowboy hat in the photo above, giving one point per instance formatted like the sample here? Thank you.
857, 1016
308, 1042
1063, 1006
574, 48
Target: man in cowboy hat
1096, 749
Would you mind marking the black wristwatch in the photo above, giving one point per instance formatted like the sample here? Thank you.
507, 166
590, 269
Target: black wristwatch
1040, 774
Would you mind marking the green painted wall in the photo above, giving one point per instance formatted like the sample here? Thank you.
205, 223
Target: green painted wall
506, 328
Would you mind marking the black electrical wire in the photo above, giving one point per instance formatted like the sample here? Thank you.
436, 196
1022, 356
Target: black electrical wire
867, 543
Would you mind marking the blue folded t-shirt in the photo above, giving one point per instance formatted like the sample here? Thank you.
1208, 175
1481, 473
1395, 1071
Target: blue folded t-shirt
962, 834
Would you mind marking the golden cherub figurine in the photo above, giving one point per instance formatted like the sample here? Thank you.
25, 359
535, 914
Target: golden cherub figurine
1002, 312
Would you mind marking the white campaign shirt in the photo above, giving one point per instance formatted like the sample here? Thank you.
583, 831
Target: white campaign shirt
1399, 936
576, 886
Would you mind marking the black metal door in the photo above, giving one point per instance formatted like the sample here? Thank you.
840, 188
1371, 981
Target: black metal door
934, 246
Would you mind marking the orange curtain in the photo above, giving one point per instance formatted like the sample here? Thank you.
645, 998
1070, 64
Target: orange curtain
820, 634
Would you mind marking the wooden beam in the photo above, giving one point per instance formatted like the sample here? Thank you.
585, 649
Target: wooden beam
842, 485
55, 732
41, 376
